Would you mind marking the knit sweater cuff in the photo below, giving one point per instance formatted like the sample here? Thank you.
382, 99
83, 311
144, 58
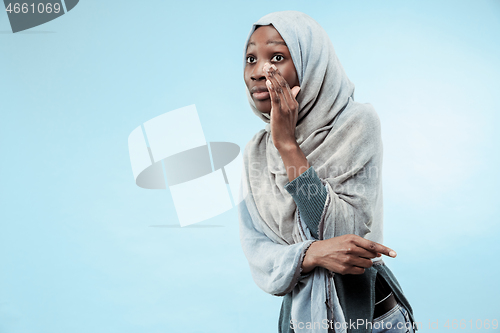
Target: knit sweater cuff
310, 195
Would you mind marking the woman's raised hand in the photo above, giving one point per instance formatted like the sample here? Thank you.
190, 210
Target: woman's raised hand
347, 254
284, 107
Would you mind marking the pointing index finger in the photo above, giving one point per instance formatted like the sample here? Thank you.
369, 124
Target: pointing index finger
375, 247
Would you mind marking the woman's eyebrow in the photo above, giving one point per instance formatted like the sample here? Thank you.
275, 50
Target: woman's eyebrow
279, 42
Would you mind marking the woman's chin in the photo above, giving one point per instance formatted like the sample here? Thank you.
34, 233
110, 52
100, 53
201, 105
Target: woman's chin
263, 106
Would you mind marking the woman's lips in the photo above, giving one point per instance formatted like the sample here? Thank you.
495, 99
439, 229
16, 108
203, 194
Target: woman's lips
261, 95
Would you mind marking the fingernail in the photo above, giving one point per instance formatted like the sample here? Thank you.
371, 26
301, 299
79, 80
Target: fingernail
268, 83
392, 253
274, 67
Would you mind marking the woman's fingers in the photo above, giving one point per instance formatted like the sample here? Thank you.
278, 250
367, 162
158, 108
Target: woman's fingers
287, 97
347, 254
361, 252
374, 247
360, 262
295, 91
275, 99
282, 87
272, 84
355, 270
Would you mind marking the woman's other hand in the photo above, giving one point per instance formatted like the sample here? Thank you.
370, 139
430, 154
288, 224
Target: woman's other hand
284, 108
347, 254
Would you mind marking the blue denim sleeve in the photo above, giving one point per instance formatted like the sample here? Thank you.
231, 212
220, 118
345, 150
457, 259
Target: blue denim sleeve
310, 195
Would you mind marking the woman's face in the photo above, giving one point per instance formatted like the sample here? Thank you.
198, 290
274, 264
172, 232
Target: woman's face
266, 45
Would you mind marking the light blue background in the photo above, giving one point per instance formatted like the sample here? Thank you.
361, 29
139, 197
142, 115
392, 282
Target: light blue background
77, 250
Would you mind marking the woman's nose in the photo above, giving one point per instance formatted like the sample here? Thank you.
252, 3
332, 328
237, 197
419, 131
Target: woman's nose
258, 72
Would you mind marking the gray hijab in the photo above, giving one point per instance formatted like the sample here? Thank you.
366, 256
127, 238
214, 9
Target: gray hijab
339, 137
316, 62
341, 140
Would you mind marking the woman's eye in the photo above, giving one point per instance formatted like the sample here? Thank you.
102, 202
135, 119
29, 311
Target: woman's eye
277, 57
250, 59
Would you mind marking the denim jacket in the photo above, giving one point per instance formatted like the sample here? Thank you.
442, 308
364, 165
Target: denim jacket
356, 293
